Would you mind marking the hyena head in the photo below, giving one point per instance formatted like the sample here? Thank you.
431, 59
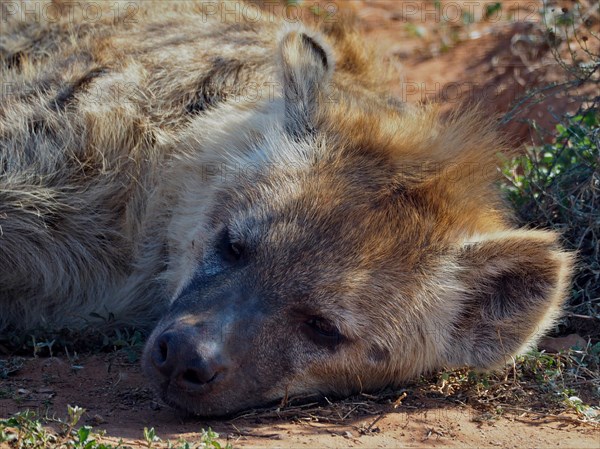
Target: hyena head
330, 242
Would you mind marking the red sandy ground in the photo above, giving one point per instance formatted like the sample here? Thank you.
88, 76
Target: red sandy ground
116, 399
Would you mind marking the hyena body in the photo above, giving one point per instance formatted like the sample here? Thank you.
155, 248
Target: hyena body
248, 182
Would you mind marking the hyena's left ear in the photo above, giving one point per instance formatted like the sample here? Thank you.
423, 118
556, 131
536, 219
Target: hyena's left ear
513, 287
307, 65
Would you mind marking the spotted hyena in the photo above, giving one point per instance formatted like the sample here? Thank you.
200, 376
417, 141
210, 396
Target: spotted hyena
249, 184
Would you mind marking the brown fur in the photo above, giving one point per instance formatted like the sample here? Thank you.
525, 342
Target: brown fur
251, 182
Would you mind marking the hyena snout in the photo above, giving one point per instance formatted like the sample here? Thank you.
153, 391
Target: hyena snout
182, 360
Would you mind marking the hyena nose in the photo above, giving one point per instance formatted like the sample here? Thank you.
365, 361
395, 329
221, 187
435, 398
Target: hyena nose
178, 356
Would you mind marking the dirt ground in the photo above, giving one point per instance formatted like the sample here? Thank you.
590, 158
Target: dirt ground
454, 55
493, 61
116, 399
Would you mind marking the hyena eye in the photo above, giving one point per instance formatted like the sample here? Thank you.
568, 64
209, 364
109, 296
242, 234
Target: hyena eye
323, 332
230, 250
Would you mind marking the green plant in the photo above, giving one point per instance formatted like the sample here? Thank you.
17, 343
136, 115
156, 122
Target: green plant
9, 366
130, 341
491, 9
39, 346
150, 436
25, 430
584, 411
557, 186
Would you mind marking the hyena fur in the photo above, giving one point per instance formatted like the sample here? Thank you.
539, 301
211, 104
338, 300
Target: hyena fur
249, 185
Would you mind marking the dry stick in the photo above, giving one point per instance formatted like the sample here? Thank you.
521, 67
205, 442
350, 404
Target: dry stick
583, 317
395, 405
545, 415
370, 426
284, 401
350, 412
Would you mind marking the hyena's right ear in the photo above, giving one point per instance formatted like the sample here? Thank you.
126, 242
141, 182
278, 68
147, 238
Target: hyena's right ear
307, 66
513, 287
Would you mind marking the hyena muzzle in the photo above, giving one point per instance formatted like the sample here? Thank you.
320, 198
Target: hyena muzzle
249, 184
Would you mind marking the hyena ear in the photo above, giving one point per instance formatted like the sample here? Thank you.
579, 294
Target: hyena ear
307, 66
513, 287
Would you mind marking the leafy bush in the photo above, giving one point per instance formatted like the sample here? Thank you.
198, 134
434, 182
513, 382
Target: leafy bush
556, 183
557, 186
